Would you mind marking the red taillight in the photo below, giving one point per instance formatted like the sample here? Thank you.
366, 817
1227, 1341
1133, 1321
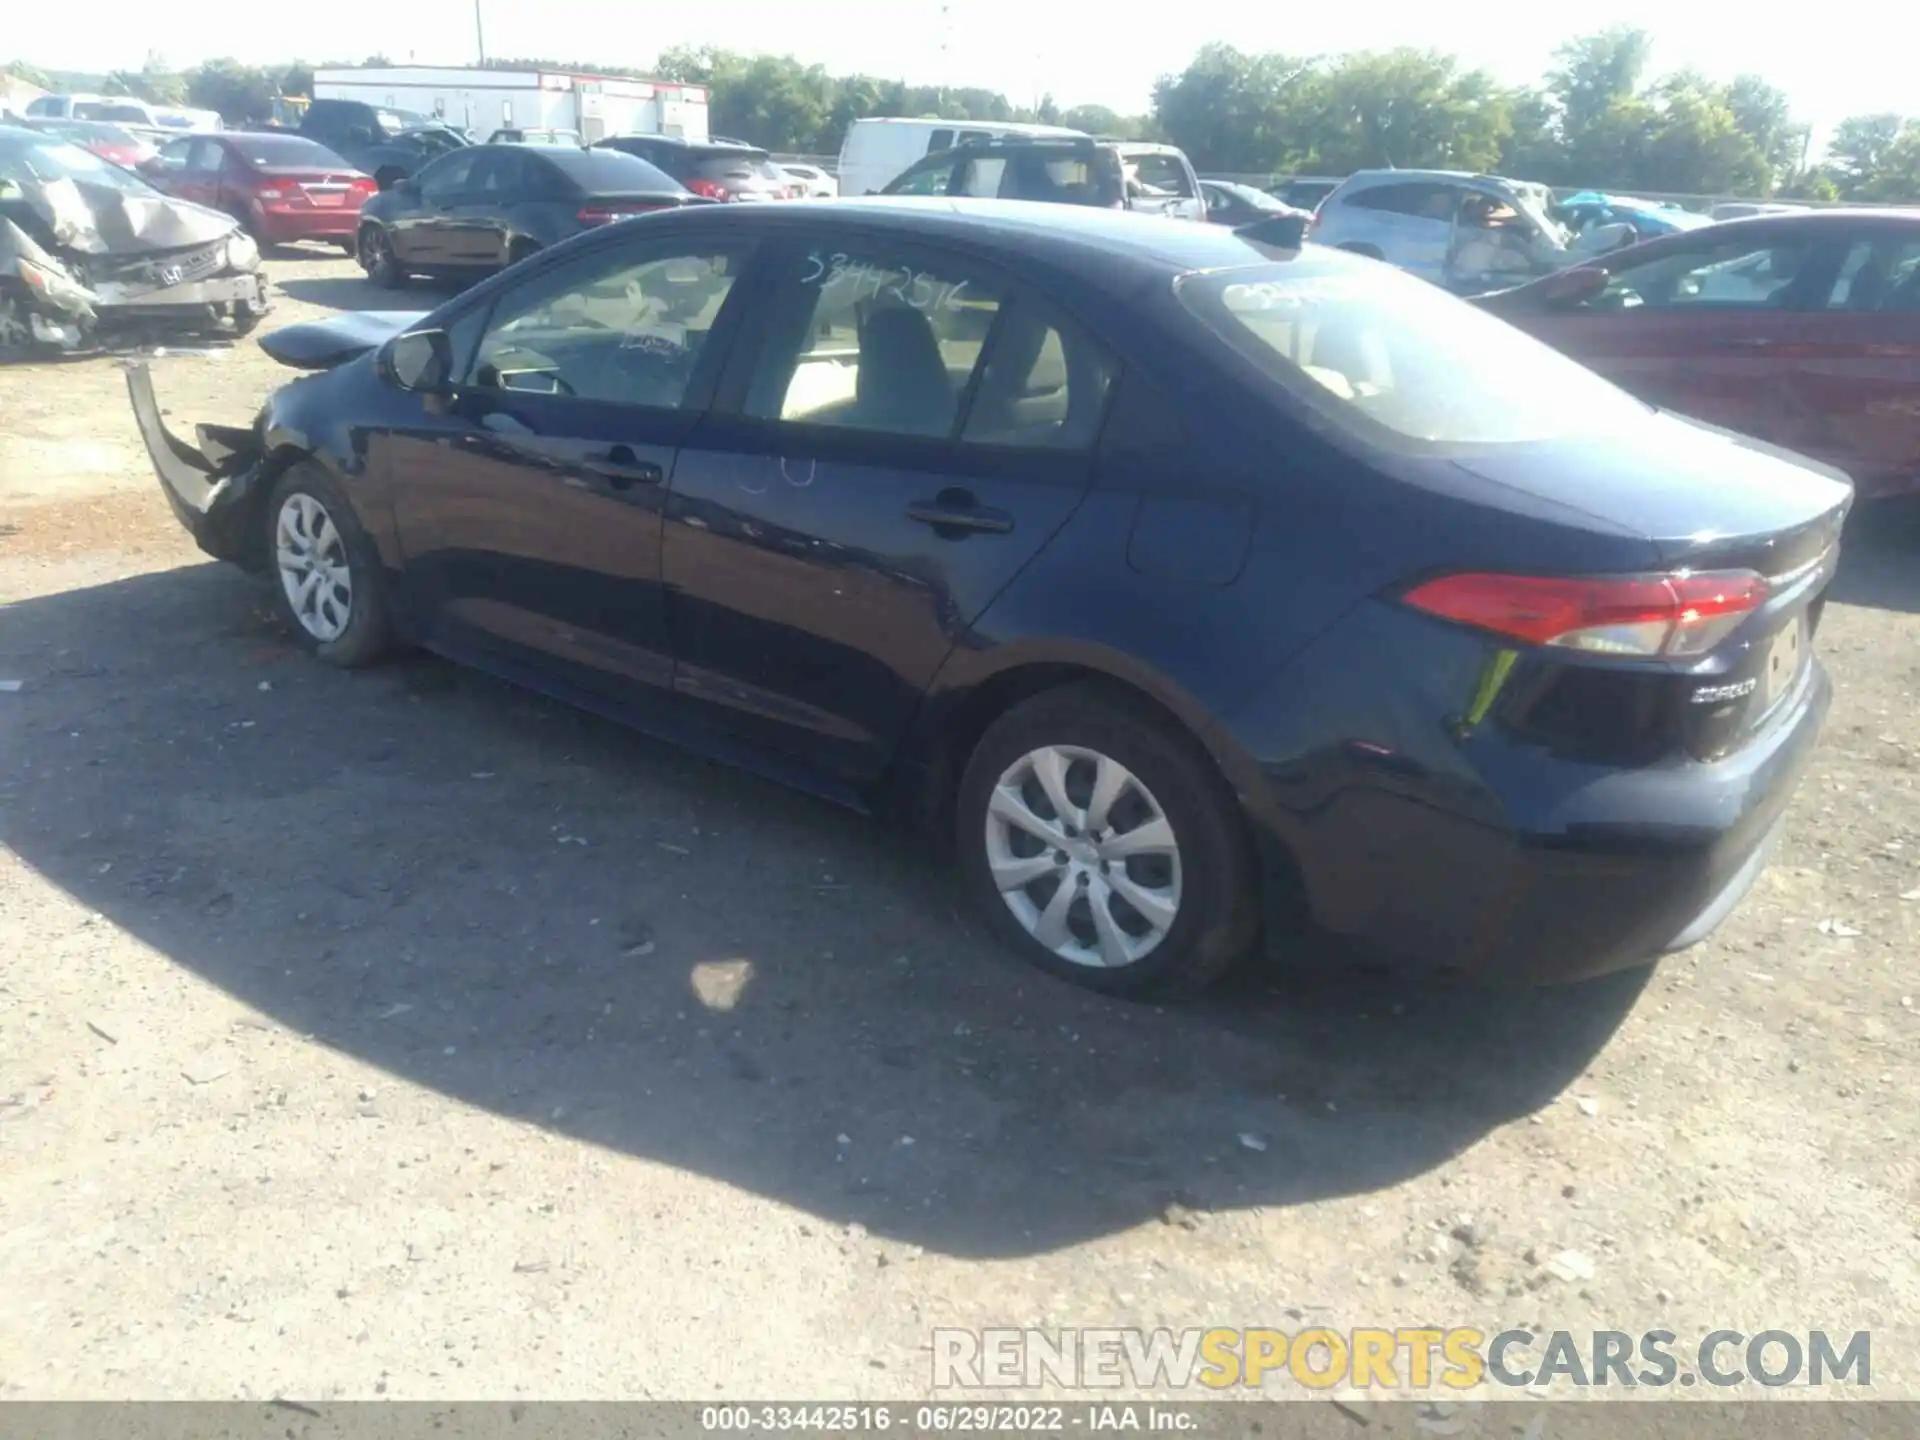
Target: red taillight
606, 214
363, 185
712, 189
1683, 614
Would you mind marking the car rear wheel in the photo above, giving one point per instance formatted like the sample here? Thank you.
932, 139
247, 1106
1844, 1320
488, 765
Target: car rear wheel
325, 569
1102, 845
378, 260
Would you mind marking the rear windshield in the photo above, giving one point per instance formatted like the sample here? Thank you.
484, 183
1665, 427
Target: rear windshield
1394, 358
732, 164
285, 150
610, 172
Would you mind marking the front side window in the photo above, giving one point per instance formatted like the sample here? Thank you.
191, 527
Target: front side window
1729, 275
175, 155
446, 178
1398, 360
1423, 200
622, 328
929, 177
1161, 176
982, 176
870, 340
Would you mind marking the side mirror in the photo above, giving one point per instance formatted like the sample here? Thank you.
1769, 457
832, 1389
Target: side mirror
420, 361
1574, 287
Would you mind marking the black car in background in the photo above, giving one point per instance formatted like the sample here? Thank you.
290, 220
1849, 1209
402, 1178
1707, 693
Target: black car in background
387, 144
715, 169
486, 206
1235, 205
1181, 584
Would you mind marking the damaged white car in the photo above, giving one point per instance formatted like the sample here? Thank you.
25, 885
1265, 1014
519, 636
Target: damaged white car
89, 251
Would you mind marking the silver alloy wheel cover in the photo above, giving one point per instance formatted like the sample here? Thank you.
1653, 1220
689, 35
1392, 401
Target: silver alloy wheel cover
1065, 895
314, 573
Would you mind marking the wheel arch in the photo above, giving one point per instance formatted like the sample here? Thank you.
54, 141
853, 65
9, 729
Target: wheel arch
970, 694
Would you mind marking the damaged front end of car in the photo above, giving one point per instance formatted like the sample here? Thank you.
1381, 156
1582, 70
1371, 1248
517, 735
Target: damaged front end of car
82, 266
213, 488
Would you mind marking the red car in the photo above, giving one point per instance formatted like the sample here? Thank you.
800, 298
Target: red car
281, 187
110, 142
1801, 330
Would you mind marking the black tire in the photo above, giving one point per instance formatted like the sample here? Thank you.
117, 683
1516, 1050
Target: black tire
367, 635
521, 248
1217, 914
350, 247
384, 179
377, 258
1355, 247
246, 317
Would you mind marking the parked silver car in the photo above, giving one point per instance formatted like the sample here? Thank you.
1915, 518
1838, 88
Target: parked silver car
1466, 232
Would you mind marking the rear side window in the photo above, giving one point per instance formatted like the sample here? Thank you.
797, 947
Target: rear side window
1395, 359
1878, 276
1427, 201
731, 164
1044, 384
939, 140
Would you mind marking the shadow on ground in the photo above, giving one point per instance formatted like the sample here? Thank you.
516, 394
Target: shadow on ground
1878, 558
544, 915
351, 290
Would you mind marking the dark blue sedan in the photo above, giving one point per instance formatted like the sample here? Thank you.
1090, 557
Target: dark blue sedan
1189, 590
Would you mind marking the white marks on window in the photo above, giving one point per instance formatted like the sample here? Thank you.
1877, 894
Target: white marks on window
845, 282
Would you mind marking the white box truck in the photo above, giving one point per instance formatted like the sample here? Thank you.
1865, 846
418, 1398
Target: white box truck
482, 101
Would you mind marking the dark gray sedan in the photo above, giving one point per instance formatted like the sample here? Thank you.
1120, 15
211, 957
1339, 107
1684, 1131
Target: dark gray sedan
487, 206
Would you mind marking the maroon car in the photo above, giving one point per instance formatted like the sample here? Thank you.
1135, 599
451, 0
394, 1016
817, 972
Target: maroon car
281, 187
1802, 330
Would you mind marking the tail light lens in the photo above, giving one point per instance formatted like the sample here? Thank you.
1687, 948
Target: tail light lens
712, 189
606, 214
363, 185
1680, 615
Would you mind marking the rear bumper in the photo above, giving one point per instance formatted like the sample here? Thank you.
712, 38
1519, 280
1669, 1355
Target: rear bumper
215, 500
284, 227
1478, 857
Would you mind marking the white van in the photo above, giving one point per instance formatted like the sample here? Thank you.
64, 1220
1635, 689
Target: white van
877, 150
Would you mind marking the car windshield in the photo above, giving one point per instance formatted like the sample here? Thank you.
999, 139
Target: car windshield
35, 162
1395, 359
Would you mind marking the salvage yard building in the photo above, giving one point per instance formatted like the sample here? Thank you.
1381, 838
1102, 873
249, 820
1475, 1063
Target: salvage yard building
487, 100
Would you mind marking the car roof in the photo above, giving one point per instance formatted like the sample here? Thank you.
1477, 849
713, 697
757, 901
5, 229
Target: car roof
1033, 230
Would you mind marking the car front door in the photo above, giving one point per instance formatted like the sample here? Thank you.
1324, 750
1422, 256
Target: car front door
478, 222
1697, 328
528, 504
172, 170
422, 212
913, 428
1162, 183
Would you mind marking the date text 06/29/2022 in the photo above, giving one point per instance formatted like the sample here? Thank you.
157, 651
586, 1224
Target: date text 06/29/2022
922, 1419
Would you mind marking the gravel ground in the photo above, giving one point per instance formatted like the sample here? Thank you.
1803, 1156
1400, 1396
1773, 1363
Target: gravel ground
403, 1034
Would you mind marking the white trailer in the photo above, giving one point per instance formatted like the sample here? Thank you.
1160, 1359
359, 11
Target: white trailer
483, 101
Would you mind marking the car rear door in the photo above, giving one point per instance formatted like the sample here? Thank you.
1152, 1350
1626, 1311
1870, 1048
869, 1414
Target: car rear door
528, 506
905, 432
1699, 329
1855, 363
478, 227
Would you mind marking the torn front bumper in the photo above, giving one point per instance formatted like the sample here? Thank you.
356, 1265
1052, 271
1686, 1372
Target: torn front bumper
115, 301
214, 489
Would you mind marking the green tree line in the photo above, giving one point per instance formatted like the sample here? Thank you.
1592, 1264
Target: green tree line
1601, 116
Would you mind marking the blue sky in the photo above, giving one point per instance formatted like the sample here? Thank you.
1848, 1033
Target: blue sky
1080, 53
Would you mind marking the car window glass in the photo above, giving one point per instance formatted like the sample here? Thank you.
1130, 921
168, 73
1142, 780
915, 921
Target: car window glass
1729, 275
939, 140
928, 178
981, 176
1053, 178
1044, 384
1430, 202
496, 174
618, 328
876, 341
207, 156
175, 154
1875, 275
448, 177
970, 137
1161, 175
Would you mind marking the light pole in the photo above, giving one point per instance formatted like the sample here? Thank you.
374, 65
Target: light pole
479, 33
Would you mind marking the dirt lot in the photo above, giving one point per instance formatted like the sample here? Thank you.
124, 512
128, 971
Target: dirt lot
402, 1034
